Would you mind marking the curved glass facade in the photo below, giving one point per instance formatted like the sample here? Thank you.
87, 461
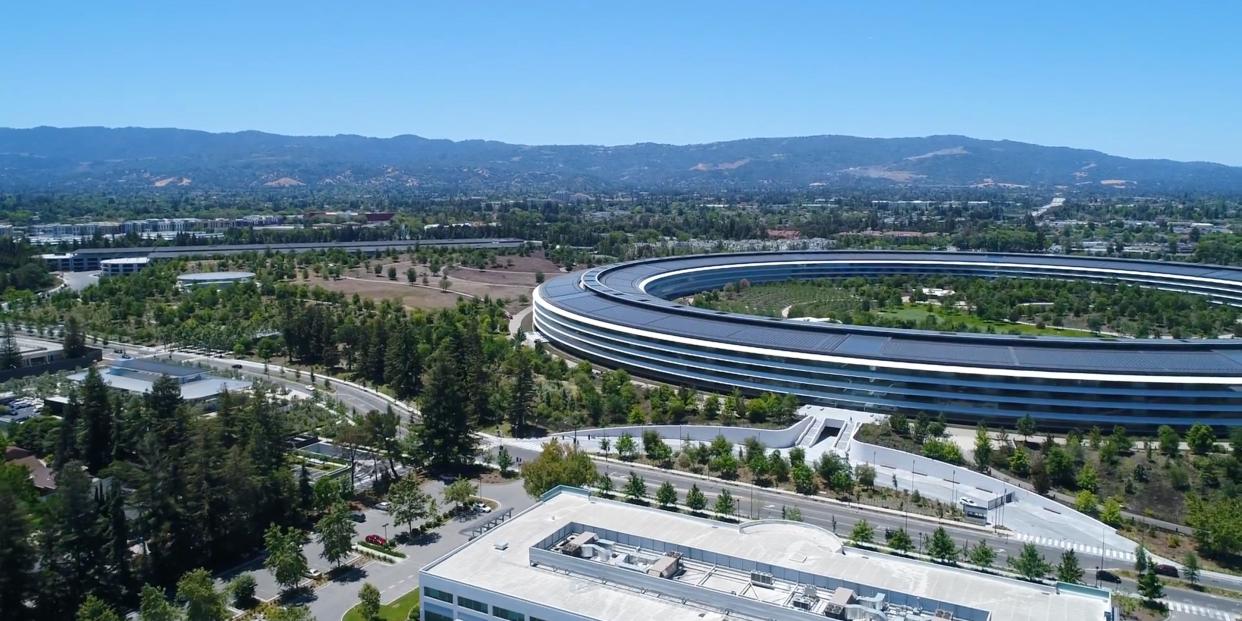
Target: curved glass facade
621, 316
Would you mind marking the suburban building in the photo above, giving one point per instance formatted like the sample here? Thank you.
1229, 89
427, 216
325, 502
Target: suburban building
213, 279
137, 375
573, 556
122, 266
87, 259
41, 476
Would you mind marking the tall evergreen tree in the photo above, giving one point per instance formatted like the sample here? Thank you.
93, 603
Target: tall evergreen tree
521, 389
73, 552
402, 365
96, 437
75, 339
10, 354
17, 559
446, 434
67, 433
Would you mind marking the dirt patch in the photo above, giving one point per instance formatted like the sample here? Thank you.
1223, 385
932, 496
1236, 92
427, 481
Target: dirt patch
426, 293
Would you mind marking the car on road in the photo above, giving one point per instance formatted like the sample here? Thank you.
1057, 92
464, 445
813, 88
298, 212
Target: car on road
237, 366
314, 574
1166, 570
1107, 576
310, 387
376, 540
126, 356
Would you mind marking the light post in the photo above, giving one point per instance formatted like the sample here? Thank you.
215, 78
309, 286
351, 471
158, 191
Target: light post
386, 531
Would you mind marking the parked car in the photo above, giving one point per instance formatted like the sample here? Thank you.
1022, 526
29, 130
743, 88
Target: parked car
1107, 576
1166, 570
376, 540
358, 516
384, 506
482, 507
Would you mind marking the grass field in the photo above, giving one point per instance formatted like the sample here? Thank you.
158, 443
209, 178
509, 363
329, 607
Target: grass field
821, 300
919, 312
398, 610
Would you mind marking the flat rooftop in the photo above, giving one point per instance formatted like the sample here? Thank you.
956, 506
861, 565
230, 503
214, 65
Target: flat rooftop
501, 561
28, 346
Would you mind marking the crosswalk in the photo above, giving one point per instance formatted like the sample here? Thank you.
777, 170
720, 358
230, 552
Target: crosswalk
1200, 611
1085, 550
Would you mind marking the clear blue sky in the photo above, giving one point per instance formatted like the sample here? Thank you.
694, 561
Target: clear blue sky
1132, 78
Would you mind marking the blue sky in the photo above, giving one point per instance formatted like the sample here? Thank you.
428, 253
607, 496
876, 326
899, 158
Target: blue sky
1132, 78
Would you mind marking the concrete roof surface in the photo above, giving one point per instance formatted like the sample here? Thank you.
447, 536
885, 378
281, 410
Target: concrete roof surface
799, 546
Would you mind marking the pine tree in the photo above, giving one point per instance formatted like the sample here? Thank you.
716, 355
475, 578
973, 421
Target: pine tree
446, 434
75, 340
1149, 584
941, 546
10, 354
1029, 563
402, 364
521, 390
17, 559
120, 572
67, 433
1069, 570
96, 422
695, 498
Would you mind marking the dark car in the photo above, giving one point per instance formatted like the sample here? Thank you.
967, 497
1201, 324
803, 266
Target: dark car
376, 540
1166, 570
358, 516
1107, 576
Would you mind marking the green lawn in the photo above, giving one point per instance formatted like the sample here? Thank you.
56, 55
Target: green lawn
398, 610
918, 312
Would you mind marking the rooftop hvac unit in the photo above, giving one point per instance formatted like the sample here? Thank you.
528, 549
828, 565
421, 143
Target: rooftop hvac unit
834, 611
762, 578
944, 614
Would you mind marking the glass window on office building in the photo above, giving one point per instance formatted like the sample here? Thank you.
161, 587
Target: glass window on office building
435, 593
466, 602
508, 615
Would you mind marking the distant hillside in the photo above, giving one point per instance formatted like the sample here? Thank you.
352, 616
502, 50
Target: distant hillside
96, 158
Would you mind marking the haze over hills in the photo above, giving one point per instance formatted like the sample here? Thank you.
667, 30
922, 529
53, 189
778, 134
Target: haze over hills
96, 158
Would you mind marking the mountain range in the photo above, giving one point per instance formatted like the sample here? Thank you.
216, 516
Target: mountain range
131, 158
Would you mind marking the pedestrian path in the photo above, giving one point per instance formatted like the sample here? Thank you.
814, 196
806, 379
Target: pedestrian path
1085, 550
1199, 611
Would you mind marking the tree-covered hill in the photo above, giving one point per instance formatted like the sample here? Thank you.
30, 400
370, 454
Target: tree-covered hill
95, 158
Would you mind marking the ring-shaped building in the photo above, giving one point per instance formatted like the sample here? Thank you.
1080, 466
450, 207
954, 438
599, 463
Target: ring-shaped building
625, 316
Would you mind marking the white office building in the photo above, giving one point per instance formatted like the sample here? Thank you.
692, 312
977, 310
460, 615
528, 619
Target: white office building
576, 557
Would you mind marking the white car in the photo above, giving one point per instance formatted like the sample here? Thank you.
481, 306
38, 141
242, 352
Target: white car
482, 507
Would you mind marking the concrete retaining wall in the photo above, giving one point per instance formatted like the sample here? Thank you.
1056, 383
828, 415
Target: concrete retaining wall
772, 438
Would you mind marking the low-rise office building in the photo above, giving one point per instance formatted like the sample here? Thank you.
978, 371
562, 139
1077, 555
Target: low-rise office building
213, 279
122, 266
577, 557
138, 375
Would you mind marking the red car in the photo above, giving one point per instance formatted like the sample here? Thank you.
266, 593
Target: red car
376, 540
